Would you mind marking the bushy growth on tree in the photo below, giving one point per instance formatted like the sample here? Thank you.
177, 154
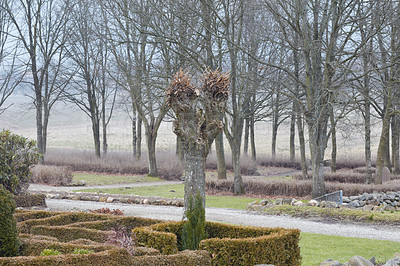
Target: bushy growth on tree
17, 155
9, 242
194, 230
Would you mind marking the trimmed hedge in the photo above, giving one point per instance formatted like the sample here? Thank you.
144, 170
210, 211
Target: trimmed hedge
67, 233
46, 236
61, 219
165, 242
186, 257
229, 244
280, 248
33, 247
22, 215
29, 200
127, 222
115, 256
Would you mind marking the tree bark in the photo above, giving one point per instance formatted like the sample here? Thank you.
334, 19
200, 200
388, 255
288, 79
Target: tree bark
292, 148
252, 139
194, 176
151, 151
134, 133
139, 138
246, 136
395, 144
382, 147
219, 149
317, 149
238, 182
334, 144
302, 143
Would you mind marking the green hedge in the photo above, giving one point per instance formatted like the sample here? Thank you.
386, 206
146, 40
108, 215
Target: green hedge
165, 242
116, 256
67, 233
33, 247
61, 219
23, 215
29, 200
230, 244
187, 258
114, 222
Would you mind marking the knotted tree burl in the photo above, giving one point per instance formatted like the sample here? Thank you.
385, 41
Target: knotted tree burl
198, 121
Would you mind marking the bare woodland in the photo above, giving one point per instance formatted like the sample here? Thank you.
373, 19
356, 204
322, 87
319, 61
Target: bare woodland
312, 63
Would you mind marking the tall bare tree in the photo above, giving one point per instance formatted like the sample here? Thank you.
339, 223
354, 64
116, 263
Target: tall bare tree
40, 26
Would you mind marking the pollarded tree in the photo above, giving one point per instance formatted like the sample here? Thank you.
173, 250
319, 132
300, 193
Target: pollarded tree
198, 122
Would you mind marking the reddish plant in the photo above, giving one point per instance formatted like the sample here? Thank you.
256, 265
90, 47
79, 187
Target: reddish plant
121, 237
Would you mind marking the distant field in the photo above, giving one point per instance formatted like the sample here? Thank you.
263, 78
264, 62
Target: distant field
69, 127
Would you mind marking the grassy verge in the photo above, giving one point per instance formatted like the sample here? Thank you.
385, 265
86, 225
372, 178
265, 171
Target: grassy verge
316, 248
172, 191
97, 179
392, 218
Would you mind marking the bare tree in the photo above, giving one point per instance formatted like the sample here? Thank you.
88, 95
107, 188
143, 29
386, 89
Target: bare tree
40, 26
324, 28
11, 73
135, 50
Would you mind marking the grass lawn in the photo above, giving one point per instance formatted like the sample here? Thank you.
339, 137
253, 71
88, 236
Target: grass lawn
172, 191
316, 248
106, 179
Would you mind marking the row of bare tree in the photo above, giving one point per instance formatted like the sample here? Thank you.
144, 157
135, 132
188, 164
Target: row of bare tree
316, 63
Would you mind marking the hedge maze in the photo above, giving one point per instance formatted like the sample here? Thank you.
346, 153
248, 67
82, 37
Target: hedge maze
154, 242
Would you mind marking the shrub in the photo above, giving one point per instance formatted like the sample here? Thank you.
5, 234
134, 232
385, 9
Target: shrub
66, 233
121, 238
29, 200
297, 188
51, 175
17, 155
194, 230
33, 247
82, 251
230, 244
114, 162
9, 242
129, 223
50, 252
247, 165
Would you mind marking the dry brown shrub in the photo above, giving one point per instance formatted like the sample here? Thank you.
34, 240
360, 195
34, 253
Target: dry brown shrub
114, 162
51, 175
247, 165
297, 188
278, 162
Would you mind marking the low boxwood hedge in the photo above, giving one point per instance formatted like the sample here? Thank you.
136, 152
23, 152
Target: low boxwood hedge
67, 233
23, 215
29, 200
128, 223
61, 219
33, 247
229, 244
186, 257
115, 256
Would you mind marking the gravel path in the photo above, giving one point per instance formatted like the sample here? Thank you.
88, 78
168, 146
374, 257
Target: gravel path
391, 233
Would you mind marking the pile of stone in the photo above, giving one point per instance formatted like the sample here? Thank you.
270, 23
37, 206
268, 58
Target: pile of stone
263, 204
113, 198
389, 201
360, 261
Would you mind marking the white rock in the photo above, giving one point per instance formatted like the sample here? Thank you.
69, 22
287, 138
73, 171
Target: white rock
312, 203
